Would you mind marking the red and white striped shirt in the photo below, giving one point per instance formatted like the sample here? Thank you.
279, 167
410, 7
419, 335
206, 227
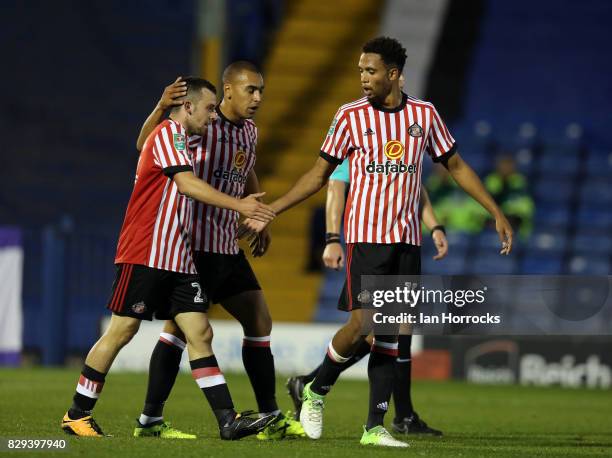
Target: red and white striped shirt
156, 230
385, 148
223, 157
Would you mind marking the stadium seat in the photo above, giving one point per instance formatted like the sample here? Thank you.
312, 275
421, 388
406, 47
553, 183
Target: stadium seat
458, 240
552, 215
547, 241
485, 262
525, 160
589, 264
453, 264
596, 216
599, 166
592, 243
488, 240
553, 163
597, 192
553, 189
550, 265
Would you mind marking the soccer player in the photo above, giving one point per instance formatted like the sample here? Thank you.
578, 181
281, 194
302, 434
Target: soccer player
406, 419
385, 136
156, 274
224, 157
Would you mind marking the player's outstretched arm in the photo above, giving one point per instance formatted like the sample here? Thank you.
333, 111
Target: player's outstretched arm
429, 219
465, 177
189, 185
171, 97
333, 255
306, 186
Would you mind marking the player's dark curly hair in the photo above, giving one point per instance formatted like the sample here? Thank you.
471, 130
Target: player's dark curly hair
391, 51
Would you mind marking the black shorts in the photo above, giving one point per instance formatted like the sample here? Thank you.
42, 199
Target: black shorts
225, 275
141, 291
375, 259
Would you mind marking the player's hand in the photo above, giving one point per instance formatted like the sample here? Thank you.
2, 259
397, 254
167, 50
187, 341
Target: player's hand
250, 227
504, 230
439, 239
252, 208
333, 256
172, 94
259, 243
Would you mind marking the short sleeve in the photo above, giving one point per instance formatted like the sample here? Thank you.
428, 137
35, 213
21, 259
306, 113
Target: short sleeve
440, 143
341, 173
337, 143
170, 149
194, 141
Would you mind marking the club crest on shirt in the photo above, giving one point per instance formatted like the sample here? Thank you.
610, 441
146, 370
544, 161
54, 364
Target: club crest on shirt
415, 130
179, 142
394, 149
239, 159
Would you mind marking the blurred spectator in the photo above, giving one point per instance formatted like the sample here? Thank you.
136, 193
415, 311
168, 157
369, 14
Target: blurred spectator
509, 189
453, 207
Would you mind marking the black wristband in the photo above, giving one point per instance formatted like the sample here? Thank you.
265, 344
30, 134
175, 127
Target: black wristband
439, 227
332, 240
331, 235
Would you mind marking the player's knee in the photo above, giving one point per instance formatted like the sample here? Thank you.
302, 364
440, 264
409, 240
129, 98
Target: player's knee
356, 325
171, 328
259, 327
123, 333
199, 336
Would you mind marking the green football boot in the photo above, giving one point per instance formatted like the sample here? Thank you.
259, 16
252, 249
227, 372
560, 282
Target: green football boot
162, 429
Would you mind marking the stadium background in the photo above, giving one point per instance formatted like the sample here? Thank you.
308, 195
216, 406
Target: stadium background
530, 79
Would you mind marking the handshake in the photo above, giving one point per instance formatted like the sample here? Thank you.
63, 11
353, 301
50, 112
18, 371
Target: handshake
254, 227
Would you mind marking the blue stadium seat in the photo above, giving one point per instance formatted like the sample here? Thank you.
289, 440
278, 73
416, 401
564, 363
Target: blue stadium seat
592, 243
547, 241
596, 216
525, 160
549, 265
459, 240
479, 161
597, 192
558, 164
599, 166
553, 189
488, 240
589, 264
453, 264
487, 262
554, 215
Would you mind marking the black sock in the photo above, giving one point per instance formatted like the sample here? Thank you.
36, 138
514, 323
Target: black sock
163, 368
310, 377
259, 365
402, 385
87, 392
332, 367
209, 378
380, 375
362, 350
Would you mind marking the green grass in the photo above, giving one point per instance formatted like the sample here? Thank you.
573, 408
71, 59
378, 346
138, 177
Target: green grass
477, 420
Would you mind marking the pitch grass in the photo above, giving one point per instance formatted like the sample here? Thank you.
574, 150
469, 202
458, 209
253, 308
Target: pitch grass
477, 420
